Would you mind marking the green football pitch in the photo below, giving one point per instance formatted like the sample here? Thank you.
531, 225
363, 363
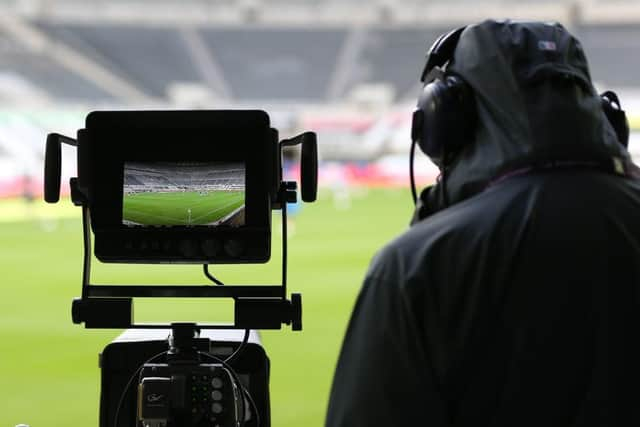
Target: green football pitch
49, 372
180, 207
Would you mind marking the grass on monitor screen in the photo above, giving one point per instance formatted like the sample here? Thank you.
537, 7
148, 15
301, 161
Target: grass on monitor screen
181, 207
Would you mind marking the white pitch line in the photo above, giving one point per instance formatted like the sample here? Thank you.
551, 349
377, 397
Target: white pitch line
216, 210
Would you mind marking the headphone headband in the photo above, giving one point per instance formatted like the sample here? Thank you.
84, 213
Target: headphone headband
441, 51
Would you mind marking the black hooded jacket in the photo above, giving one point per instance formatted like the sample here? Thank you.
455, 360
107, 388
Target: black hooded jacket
516, 302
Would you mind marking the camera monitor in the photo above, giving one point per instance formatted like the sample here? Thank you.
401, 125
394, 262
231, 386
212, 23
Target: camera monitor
181, 187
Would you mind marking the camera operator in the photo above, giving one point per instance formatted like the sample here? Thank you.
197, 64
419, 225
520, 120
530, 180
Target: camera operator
513, 299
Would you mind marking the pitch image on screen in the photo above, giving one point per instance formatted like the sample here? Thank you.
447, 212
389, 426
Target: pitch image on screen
183, 194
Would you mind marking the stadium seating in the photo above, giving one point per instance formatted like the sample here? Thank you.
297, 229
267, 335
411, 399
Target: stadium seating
277, 63
46, 75
396, 57
292, 66
150, 58
162, 177
613, 52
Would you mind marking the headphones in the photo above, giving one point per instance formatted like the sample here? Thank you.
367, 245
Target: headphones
445, 117
616, 116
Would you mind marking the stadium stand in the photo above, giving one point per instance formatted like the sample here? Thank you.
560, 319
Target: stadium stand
168, 177
351, 71
45, 74
276, 63
150, 58
395, 56
613, 52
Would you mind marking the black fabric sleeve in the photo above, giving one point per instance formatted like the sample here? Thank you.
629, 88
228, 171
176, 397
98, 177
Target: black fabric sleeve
383, 376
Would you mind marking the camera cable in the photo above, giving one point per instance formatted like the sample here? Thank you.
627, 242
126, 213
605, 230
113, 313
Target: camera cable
241, 346
224, 362
205, 268
412, 178
440, 179
244, 390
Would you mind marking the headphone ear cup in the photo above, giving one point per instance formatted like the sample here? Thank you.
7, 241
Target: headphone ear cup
445, 118
616, 116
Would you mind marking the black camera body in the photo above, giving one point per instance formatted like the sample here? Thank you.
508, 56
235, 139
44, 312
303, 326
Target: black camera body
187, 187
120, 362
193, 394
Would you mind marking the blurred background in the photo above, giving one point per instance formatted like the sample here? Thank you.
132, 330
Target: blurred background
346, 69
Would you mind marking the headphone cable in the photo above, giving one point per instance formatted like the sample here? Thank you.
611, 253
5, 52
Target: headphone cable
412, 178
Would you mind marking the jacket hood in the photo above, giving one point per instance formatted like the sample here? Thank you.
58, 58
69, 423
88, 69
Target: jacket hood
535, 103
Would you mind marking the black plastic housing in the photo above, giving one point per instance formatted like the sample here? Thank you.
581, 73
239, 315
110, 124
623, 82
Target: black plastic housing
120, 359
103, 312
112, 138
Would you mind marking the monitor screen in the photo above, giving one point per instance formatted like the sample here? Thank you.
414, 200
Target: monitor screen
184, 194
